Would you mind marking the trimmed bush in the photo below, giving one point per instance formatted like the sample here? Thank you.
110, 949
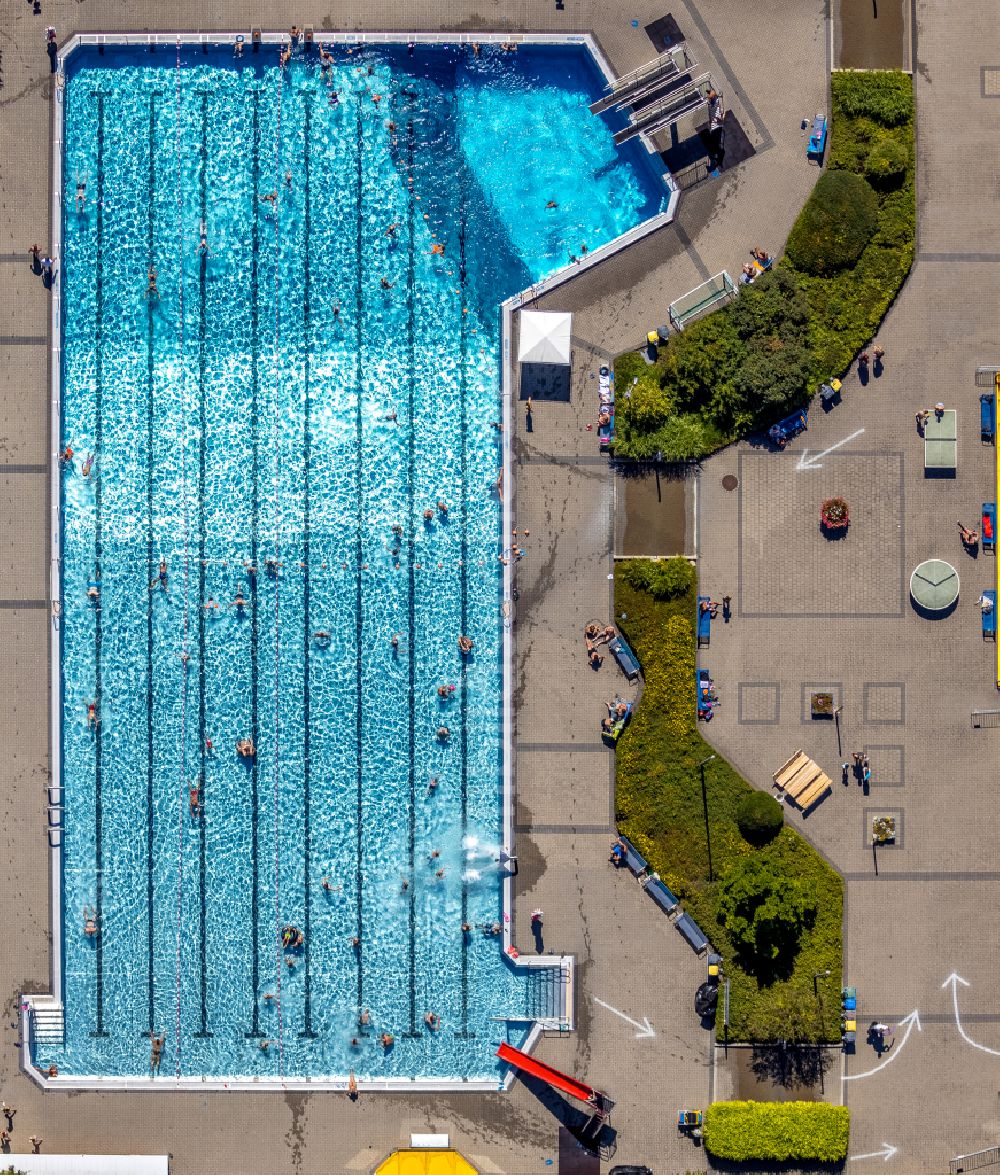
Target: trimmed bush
838, 220
759, 818
664, 579
784, 1132
886, 163
886, 97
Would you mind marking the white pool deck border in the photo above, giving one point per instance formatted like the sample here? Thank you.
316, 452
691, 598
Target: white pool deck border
566, 963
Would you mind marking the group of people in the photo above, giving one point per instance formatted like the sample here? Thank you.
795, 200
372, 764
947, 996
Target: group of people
594, 635
924, 415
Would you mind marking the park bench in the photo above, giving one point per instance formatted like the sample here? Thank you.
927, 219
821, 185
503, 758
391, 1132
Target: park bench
693, 933
802, 780
990, 616
704, 623
987, 417
662, 895
988, 527
627, 660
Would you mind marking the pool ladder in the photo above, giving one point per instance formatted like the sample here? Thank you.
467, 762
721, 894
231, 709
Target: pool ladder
54, 825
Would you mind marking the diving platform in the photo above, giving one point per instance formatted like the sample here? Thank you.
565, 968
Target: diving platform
633, 87
672, 107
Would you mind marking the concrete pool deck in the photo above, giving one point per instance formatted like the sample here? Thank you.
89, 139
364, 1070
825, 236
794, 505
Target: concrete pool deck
628, 955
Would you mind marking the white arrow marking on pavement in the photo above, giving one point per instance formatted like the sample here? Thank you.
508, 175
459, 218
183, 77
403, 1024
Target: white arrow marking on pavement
645, 1029
955, 980
886, 1153
807, 462
909, 1021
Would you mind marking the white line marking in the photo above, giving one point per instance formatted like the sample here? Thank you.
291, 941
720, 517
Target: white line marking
909, 1021
645, 1029
807, 462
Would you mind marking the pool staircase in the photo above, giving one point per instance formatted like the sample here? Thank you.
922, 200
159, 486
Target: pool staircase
48, 1021
548, 996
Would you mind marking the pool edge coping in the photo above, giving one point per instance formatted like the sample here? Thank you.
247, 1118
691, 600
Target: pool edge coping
564, 963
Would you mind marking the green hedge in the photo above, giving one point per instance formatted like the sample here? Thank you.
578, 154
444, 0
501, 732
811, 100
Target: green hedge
658, 804
813, 1132
802, 323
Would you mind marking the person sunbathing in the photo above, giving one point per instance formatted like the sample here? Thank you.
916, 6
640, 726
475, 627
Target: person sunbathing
969, 537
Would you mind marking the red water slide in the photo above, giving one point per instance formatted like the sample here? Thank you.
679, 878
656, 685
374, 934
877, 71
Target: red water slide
561, 1081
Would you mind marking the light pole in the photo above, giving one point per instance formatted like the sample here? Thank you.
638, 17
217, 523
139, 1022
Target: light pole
704, 802
818, 975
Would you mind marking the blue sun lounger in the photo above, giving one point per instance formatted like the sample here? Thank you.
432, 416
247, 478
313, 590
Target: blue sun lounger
704, 623
988, 528
626, 659
987, 417
990, 616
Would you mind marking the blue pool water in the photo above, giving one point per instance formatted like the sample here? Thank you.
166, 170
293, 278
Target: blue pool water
317, 377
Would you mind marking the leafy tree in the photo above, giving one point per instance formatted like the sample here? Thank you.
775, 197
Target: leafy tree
765, 912
835, 224
644, 405
773, 378
773, 306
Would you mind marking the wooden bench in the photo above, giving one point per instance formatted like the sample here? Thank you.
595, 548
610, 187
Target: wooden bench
784, 773
802, 780
819, 788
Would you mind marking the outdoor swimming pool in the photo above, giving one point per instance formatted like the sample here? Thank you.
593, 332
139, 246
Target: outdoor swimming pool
299, 416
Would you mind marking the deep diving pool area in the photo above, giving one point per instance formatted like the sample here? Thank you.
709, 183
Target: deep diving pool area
282, 772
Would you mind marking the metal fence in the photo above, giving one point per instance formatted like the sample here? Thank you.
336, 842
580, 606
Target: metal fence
977, 1159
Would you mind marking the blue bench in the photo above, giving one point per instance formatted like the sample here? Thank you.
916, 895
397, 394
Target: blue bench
791, 426
632, 858
661, 894
987, 417
703, 692
817, 139
704, 623
988, 528
626, 659
990, 616
692, 932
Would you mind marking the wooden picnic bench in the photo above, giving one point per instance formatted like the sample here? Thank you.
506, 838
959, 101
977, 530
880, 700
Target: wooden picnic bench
802, 780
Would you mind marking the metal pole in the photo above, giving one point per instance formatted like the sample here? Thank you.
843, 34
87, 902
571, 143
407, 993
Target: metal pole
704, 802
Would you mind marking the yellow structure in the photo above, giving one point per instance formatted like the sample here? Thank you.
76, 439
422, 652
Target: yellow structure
425, 1162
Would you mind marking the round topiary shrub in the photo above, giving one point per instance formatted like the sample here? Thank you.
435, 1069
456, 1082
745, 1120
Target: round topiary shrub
759, 818
886, 163
835, 225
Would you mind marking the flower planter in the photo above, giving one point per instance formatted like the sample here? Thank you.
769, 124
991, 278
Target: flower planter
834, 515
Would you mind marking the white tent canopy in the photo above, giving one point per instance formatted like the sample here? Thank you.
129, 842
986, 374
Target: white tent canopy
545, 337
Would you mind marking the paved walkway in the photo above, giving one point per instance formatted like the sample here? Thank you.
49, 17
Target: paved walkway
816, 614
629, 956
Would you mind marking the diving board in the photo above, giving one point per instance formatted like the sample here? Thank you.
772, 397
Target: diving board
685, 99
641, 82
